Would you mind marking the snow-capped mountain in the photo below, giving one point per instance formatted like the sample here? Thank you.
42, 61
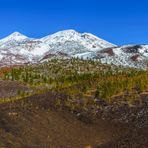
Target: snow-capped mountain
20, 49
73, 42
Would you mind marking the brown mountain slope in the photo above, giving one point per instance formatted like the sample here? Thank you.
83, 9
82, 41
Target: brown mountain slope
28, 124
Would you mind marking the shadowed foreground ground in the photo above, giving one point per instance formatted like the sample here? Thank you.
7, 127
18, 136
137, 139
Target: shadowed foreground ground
43, 128
29, 124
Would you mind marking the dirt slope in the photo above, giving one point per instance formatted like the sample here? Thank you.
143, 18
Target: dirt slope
27, 126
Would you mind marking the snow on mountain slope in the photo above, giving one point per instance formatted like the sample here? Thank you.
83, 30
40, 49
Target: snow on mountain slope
19, 49
72, 42
12, 38
130, 55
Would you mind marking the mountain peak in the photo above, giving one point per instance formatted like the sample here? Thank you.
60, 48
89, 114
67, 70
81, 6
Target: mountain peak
15, 36
16, 33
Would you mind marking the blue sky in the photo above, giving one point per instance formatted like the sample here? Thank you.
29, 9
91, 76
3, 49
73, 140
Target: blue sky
118, 21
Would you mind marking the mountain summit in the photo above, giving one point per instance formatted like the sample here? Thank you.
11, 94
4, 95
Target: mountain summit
71, 37
16, 36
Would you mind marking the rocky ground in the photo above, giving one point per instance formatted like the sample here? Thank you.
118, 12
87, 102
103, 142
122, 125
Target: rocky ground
12, 88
